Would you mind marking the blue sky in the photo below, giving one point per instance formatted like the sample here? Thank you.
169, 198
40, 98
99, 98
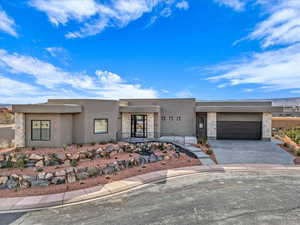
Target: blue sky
208, 49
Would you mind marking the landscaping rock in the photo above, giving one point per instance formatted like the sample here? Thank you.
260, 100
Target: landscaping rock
41, 175
75, 156
39, 164
67, 162
39, 183
109, 148
60, 173
49, 176
35, 157
2, 157
58, 180
24, 184
93, 171
3, 180
71, 178
61, 156
82, 175
12, 184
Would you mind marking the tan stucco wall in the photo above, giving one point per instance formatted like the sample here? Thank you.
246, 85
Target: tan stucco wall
185, 108
92, 109
61, 130
267, 126
126, 125
211, 125
20, 130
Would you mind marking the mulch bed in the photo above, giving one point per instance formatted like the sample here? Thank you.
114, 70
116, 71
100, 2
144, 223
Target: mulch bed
183, 161
204, 148
297, 158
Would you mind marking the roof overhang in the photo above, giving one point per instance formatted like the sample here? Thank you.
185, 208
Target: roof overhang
140, 109
241, 109
47, 108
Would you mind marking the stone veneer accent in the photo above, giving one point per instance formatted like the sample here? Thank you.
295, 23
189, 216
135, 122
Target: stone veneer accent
19, 129
211, 125
126, 125
150, 125
267, 126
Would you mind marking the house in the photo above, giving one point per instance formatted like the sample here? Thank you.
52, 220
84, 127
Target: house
60, 122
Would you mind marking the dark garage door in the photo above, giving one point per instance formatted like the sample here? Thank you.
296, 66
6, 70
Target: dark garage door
238, 130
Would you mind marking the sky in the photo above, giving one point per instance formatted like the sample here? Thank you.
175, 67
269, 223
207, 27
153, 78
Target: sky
111, 49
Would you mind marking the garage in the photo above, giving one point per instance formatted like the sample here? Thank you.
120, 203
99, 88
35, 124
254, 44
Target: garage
247, 126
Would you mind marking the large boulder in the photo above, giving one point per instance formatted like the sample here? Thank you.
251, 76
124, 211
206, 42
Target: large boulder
49, 176
61, 156
39, 163
35, 157
71, 178
39, 183
12, 184
93, 171
3, 181
82, 175
58, 180
60, 173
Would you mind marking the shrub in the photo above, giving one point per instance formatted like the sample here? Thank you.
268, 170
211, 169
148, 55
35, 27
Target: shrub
285, 145
33, 148
20, 163
65, 147
209, 152
7, 164
93, 143
18, 149
74, 163
102, 143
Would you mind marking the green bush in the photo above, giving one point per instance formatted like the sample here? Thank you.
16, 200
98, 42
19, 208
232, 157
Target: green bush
20, 163
74, 163
7, 164
93, 143
209, 152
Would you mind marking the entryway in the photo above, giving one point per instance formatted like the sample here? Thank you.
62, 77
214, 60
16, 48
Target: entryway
139, 126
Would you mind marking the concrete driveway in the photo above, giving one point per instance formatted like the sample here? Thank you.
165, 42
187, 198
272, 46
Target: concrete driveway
239, 151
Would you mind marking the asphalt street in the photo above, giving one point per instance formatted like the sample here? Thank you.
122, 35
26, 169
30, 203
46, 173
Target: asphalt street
231, 198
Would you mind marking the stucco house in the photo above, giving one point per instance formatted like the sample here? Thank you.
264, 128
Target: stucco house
60, 122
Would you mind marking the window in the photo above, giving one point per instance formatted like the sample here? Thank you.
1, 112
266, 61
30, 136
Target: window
178, 118
100, 126
170, 117
40, 130
163, 118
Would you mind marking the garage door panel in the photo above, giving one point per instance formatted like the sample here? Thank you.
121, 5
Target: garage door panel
238, 130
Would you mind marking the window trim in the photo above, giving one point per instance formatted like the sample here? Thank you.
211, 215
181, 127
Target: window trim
171, 118
94, 126
178, 118
40, 139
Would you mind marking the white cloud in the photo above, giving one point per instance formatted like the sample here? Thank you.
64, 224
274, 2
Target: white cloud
9, 87
274, 69
56, 51
45, 73
96, 16
52, 82
61, 11
237, 5
183, 5
113, 86
7, 24
282, 25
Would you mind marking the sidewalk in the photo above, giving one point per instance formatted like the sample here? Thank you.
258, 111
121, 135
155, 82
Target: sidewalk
75, 197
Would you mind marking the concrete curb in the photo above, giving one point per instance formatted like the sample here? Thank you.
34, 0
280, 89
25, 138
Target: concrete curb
31, 203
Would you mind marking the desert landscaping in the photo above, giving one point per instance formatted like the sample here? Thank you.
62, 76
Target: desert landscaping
36, 171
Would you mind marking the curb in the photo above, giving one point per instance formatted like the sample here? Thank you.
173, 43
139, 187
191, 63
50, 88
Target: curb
32, 203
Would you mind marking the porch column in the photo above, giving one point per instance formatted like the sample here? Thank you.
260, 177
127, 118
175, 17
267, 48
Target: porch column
212, 125
150, 125
19, 130
267, 126
126, 125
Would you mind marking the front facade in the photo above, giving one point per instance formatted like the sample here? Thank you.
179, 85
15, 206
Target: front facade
61, 122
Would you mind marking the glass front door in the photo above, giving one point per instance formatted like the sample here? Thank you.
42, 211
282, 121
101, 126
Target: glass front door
139, 126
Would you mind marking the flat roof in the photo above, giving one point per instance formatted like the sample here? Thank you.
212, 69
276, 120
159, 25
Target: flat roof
47, 108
